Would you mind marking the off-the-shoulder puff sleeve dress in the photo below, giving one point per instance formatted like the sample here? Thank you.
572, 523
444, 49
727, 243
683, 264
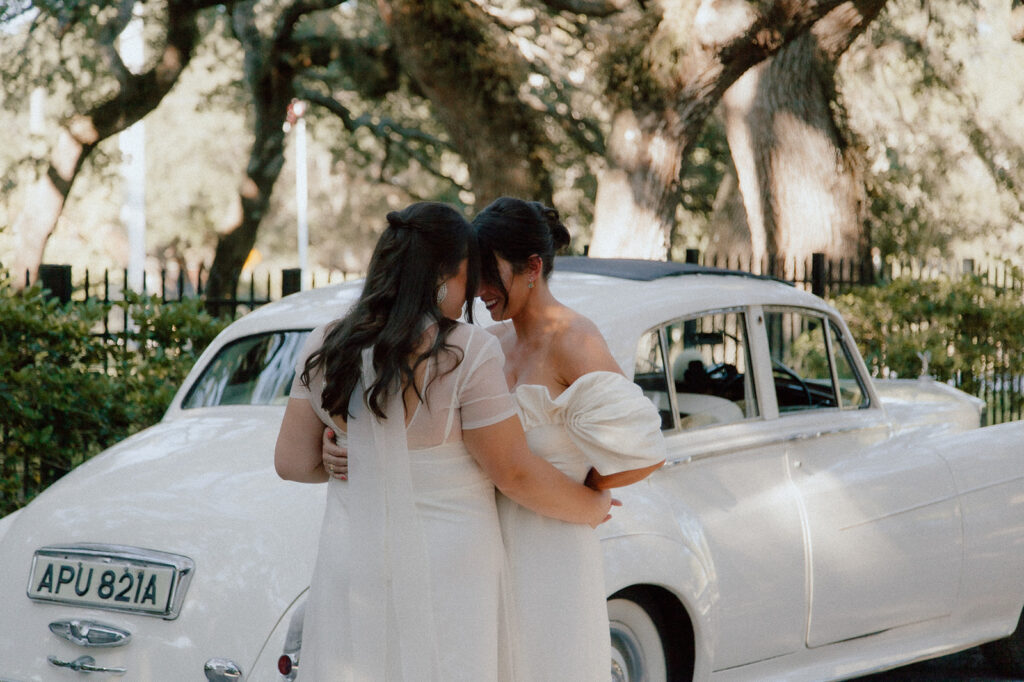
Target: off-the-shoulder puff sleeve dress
408, 581
604, 421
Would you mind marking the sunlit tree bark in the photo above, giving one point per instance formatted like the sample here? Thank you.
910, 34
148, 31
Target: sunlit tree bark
800, 179
671, 79
472, 79
133, 98
269, 75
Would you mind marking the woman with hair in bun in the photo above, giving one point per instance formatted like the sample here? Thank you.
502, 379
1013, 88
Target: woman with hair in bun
580, 413
410, 572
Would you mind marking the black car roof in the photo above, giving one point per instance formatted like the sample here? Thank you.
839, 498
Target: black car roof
643, 270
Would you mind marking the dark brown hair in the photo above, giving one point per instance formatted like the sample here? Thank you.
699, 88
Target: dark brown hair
422, 244
516, 229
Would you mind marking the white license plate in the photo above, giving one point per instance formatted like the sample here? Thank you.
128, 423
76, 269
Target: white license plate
111, 577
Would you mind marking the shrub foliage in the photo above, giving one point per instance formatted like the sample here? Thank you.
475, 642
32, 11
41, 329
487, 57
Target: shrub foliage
972, 333
67, 391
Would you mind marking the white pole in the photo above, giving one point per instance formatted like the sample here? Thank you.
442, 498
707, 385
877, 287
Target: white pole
132, 143
37, 111
302, 197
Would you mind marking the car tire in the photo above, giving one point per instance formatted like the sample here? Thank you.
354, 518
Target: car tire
1007, 655
637, 649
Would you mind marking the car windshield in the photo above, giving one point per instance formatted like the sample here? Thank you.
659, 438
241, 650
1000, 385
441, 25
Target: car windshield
255, 370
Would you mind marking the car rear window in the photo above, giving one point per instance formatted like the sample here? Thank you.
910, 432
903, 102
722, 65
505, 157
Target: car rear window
255, 370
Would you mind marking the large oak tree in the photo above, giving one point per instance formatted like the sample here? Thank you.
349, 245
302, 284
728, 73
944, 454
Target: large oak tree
128, 98
669, 73
799, 176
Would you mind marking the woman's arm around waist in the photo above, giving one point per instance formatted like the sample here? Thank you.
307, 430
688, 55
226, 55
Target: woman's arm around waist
501, 451
298, 453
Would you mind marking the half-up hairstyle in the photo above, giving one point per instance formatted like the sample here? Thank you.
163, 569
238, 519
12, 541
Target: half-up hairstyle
421, 245
515, 230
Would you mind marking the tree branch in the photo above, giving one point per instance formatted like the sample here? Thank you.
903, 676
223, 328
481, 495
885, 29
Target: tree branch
108, 40
590, 8
1017, 21
388, 131
836, 31
719, 63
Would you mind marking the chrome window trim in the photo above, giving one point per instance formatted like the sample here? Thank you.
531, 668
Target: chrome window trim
844, 348
670, 384
831, 319
662, 328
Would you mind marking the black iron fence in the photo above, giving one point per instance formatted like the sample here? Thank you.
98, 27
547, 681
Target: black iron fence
827, 277
996, 375
110, 286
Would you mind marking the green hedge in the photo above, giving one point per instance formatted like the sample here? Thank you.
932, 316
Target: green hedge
66, 392
973, 333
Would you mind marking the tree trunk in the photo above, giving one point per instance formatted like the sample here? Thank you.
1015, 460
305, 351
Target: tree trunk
269, 72
1017, 21
472, 81
34, 225
136, 96
801, 182
266, 158
636, 200
667, 111
801, 191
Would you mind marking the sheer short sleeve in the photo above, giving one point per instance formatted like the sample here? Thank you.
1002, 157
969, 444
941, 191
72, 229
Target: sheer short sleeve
483, 395
310, 346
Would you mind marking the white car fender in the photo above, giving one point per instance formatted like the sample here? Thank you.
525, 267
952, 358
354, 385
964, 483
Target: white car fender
659, 561
987, 466
645, 544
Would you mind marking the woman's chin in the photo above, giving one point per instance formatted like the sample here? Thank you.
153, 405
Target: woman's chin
497, 313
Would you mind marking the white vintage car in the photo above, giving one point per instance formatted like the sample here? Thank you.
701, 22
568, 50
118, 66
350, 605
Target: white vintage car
810, 523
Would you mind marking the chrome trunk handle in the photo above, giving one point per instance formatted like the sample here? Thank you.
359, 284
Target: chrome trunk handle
90, 633
85, 664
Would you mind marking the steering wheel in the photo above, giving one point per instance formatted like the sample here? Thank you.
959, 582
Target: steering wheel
725, 378
777, 366
722, 371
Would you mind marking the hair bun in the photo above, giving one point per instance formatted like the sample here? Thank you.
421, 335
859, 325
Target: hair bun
559, 233
395, 220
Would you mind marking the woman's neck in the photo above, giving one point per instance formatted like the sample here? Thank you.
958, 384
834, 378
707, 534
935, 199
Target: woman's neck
535, 319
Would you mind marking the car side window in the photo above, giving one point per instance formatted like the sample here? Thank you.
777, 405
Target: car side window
801, 367
709, 362
650, 375
255, 370
851, 393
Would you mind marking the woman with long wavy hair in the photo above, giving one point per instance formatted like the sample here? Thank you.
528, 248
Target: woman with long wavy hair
409, 578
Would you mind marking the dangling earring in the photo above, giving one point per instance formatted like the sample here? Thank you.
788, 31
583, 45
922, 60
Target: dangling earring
442, 292
529, 284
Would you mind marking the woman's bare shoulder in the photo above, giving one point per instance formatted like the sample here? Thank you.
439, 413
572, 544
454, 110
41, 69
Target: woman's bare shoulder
580, 348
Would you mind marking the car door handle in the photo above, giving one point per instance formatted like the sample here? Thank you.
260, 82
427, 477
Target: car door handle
84, 664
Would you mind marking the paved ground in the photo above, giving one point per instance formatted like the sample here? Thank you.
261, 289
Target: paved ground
967, 666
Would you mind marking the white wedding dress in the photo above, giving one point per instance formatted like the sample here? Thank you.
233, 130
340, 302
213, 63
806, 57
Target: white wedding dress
410, 577
604, 421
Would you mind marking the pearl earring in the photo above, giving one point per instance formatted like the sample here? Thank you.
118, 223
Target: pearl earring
442, 292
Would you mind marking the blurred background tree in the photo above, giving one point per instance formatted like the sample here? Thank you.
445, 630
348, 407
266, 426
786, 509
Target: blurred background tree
609, 109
